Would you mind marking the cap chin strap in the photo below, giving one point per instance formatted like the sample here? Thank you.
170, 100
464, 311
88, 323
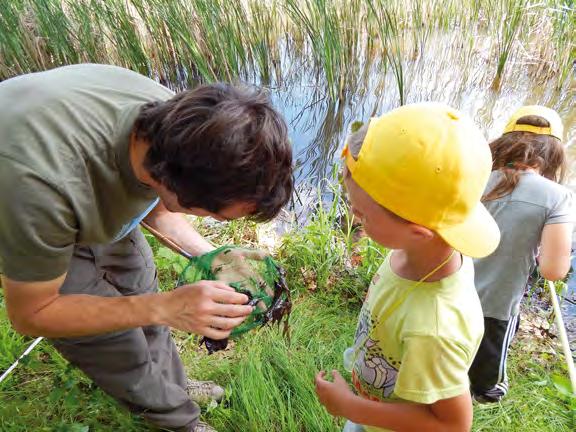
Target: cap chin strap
388, 312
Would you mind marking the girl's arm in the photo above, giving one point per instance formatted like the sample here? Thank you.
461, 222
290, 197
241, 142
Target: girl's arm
555, 251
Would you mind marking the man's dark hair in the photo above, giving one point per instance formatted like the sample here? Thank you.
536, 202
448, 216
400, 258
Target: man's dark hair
217, 145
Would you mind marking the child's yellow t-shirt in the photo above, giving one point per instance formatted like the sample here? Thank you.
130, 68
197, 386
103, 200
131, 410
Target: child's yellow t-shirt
417, 343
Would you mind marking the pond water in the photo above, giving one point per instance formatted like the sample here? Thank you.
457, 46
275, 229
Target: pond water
318, 125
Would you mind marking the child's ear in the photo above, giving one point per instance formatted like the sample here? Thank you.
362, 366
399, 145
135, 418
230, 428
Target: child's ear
421, 233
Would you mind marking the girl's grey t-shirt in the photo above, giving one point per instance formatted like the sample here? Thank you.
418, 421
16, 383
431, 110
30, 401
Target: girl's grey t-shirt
65, 172
521, 215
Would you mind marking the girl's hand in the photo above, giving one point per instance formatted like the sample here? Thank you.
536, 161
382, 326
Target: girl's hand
335, 396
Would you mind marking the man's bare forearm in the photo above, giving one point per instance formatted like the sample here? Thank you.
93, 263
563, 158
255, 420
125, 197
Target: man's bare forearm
175, 228
208, 308
83, 315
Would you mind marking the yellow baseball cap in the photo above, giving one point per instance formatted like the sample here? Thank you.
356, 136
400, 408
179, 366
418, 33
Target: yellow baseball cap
429, 163
556, 129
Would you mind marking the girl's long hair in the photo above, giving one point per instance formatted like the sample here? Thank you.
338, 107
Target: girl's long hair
516, 151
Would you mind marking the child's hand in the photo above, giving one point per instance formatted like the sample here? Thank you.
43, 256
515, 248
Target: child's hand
333, 395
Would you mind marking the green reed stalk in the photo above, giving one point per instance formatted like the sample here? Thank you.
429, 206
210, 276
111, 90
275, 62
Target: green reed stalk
15, 52
123, 34
188, 50
511, 16
86, 31
261, 37
54, 30
320, 22
564, 36
158, 38
388, 28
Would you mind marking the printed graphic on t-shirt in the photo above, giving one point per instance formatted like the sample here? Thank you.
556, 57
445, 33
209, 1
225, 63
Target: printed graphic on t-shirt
374, 375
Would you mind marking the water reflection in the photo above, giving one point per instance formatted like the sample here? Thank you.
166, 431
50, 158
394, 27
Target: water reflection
456, 73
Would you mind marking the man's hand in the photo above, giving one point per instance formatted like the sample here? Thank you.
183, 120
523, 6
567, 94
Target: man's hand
335, 396
207, 308
231, 266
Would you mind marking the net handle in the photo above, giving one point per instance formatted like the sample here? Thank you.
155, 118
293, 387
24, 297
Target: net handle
166, 241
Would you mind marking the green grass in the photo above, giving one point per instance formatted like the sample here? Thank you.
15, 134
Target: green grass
45, 394
270, 381
11, 343
533, 403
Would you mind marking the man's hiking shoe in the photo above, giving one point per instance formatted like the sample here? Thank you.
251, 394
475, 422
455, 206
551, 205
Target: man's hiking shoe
204, 392
204, 427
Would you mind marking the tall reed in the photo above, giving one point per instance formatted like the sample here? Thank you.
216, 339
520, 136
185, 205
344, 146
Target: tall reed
510, 17
337, 42
388, 28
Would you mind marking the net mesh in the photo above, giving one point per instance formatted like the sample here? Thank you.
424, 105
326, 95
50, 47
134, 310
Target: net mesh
261, 280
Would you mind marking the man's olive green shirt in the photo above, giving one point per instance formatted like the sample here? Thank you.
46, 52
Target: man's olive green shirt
65, 172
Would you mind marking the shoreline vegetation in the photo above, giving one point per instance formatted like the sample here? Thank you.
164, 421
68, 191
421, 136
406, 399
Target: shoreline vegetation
343, 43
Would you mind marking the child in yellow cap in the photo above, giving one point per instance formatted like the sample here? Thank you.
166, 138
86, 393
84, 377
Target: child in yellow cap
532, 210
415, 177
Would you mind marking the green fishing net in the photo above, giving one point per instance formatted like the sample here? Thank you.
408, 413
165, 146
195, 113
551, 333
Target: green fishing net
261, 279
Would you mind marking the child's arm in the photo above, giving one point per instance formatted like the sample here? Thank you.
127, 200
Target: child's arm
555, 251
447, 415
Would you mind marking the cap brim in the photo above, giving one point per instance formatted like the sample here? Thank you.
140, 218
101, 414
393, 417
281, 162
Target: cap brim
476, 237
